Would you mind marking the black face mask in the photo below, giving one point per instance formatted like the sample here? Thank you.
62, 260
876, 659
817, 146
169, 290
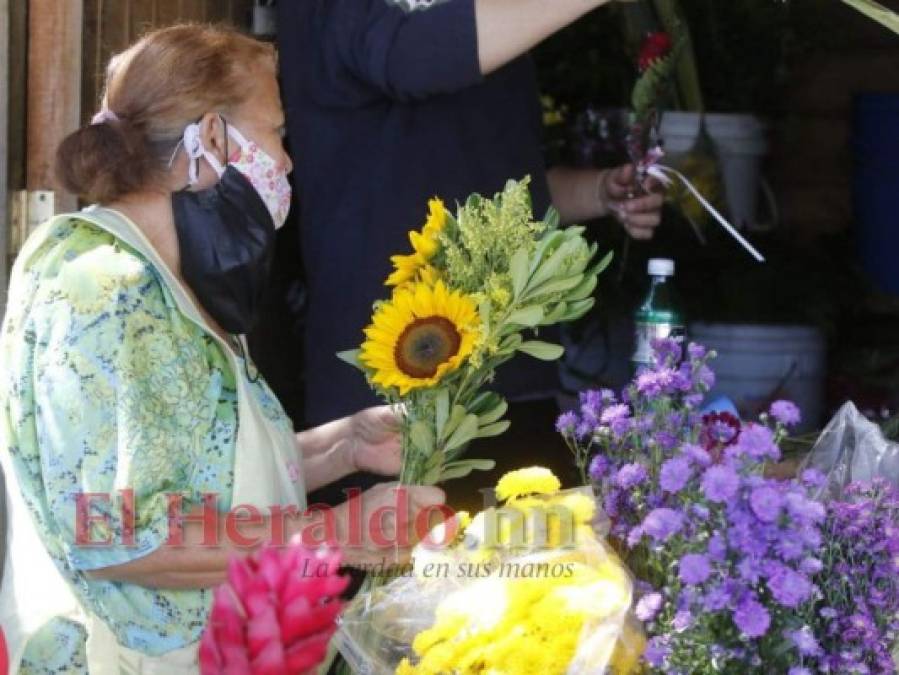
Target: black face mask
226, 237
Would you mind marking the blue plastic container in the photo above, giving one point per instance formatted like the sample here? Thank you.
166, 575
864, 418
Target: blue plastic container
876, 186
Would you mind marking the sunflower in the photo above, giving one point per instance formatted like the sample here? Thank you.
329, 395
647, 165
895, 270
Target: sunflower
422, 334
425, 245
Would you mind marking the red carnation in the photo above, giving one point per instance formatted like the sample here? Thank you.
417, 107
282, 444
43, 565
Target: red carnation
656, 46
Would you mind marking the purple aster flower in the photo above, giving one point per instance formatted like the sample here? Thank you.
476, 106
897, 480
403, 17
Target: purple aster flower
799, 670
812, 478
661, 524
696, 351
567, 423
630, 475
694, 569
667, 350
720, 483
757, 441
786, 412
674, 474
766, 503
811, 566
621, 426
585, 429
705, 377
717, 548
656, 652
805, 641
666, 440
804, 508
789, 547
696, 454
751, 617
591, 403
749, 570
788, 587
701, 511
648, 607
634, 537
615, 412
682, 620
610, 503
716, 599
599, 467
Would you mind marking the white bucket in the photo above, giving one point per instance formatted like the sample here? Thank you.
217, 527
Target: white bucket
741, 143
758, 364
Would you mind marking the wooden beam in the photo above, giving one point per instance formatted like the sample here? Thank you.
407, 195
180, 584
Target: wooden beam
54, 89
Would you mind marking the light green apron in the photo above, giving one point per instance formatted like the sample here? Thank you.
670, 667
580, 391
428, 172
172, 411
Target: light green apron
266, 473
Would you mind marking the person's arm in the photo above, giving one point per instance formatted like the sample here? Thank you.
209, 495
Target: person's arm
366, 441
358, 527
509, 28
587, 194
409, 55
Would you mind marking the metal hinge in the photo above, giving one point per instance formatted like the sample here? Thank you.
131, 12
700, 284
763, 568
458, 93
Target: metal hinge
28, 209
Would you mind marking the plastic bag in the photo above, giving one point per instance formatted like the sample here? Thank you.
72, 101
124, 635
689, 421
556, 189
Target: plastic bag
520, 592
852, 448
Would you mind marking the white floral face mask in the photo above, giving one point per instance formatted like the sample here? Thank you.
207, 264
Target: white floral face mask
254, 163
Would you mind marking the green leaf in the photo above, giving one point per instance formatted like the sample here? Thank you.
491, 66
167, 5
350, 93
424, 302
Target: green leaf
484, 402
874, 10
556, 314
351, 356
511, 343
457, 415
541, 350
552, 218
494, 429
603, 264
518, 268
462, 468
577, 309
583, 289
441, 411
549, 241
467, 430
493, 414
422, 437
555, 286
549, 268
528, 316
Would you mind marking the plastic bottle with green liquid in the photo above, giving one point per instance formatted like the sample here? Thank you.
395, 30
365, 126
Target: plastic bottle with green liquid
660, 315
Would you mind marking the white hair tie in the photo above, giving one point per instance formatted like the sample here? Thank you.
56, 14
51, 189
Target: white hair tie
104, 116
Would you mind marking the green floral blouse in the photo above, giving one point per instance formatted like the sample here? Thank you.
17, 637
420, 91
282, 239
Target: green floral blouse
106, 385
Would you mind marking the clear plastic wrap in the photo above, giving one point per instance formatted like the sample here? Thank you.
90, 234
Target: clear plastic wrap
525, 596
852, 448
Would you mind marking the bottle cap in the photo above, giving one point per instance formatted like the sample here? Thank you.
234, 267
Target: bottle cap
661, 267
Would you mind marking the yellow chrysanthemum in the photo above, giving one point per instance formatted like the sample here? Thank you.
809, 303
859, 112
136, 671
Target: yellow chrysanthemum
532, 480
421, 335
425, 245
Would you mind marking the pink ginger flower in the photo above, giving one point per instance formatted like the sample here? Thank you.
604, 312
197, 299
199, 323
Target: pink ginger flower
275, 614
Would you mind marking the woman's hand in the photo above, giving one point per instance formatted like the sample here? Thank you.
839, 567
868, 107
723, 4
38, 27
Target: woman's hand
640, 215
376, 445
383, 524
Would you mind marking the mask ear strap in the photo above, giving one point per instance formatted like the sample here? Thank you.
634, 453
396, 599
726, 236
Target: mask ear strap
193, 146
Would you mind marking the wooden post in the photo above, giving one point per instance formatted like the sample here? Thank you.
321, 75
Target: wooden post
4, 153
54, 89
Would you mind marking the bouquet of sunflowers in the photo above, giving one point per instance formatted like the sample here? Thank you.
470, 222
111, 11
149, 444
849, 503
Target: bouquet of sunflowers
527, 587
462, 302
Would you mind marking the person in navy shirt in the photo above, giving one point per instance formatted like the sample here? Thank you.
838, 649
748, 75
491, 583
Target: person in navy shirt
392, 102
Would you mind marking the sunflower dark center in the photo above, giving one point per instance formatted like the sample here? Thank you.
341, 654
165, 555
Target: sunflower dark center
425, 345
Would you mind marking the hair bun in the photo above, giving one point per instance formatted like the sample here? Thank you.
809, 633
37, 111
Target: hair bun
104, 160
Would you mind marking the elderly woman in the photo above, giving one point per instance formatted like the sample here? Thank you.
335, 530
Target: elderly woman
130, 414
